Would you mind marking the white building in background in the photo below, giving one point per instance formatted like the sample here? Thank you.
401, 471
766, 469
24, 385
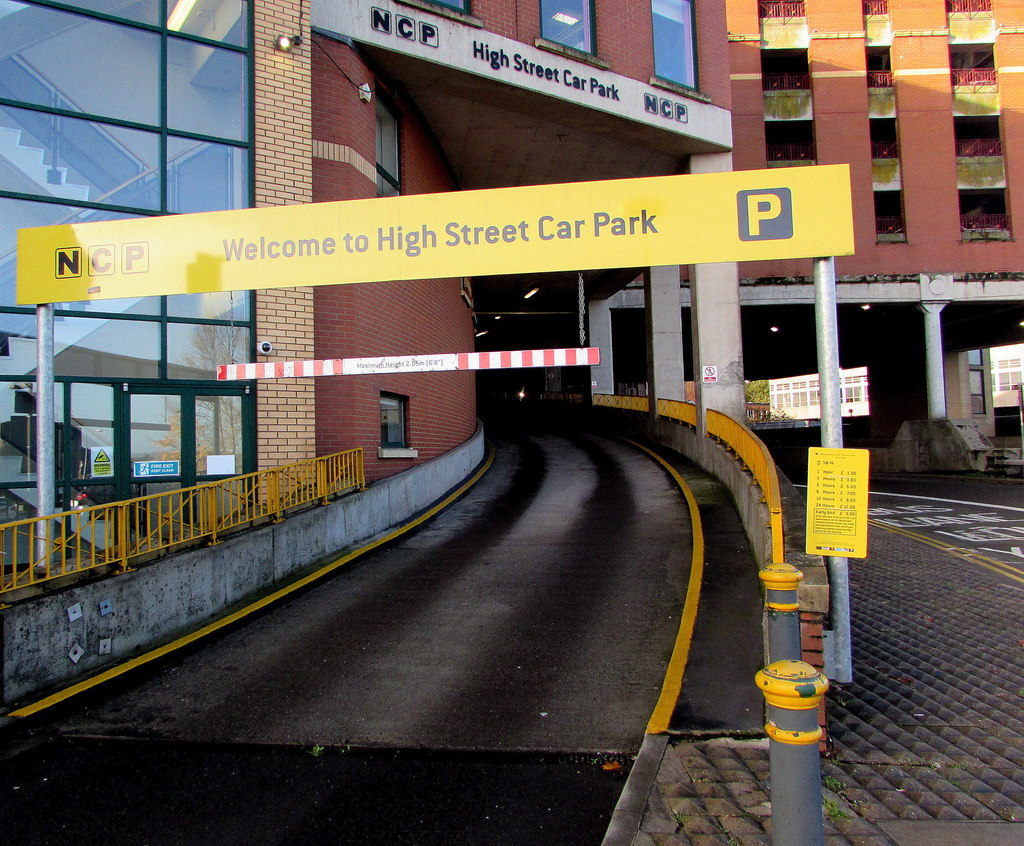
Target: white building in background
796, 398
1007, 374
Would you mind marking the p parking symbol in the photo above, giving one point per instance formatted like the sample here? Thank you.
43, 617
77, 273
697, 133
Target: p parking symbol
765, 214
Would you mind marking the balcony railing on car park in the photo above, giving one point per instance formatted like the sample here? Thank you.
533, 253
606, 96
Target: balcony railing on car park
786, 82
879, 79
117, 536
790, 152
781, 8
968, 7
973, 77
885, 150
889, 226
735, 437
968, 148
876, 7
984, 223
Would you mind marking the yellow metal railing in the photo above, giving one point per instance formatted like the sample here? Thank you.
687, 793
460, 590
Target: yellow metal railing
118, 535
621, 402
747, 446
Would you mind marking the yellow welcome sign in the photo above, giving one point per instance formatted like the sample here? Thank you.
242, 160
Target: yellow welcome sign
737, 216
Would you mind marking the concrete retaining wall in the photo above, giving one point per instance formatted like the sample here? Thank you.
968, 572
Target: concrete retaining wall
115, 618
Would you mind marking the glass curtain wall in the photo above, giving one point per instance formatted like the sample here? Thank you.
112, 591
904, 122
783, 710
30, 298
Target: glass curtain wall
111, 109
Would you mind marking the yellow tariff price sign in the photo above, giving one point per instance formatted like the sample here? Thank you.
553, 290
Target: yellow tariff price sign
837, 502
796, 212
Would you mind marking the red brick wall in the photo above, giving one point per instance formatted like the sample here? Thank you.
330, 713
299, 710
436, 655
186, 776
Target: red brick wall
924, 104
387, 318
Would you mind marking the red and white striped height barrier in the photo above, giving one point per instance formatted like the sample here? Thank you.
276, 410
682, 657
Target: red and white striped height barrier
508, 359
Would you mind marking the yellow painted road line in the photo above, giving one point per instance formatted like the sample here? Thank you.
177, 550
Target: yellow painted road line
673, 682
270, 599
1000, 567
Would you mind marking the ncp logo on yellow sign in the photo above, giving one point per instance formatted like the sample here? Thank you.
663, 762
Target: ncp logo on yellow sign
101, 260
765, 214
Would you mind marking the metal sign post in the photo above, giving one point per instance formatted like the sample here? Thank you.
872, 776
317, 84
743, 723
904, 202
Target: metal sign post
46, 470
831, 397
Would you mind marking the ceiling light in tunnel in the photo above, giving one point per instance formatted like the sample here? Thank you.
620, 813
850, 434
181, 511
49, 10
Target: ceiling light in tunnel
773, 329
530, 293
482, 332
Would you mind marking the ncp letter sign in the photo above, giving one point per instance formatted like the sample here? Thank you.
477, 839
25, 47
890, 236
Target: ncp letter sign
799, 212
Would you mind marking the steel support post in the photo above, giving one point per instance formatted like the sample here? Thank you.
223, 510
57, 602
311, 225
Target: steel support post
783, 609
831, 397
793, 691
46, 470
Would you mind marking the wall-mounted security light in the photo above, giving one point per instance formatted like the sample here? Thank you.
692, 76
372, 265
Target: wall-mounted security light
287, 43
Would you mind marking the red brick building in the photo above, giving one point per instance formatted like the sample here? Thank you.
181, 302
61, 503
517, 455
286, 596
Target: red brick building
923, 99
421, 97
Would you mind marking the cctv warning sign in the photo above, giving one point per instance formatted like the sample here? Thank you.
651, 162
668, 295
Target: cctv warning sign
737, 216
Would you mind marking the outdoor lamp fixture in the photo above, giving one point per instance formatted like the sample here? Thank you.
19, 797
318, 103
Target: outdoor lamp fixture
530, 293
287, 43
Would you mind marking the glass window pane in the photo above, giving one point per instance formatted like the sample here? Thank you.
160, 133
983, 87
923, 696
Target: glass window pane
18, 430
567, 22
205, 177
674, 52
92, 431
388, 184
144, 11
218, 436
115, 72
78, 160
392, 421
206, 90
216, 20
156, 428
221, 305
110, 348
195, 350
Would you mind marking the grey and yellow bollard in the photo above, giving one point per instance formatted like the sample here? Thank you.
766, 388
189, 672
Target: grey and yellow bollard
780, 582
793, 690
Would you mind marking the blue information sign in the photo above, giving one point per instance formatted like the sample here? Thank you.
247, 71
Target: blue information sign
156, 468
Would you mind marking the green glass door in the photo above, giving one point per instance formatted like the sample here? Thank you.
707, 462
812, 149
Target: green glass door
182, 437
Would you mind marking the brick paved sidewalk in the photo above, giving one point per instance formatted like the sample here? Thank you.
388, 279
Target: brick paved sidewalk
927, 742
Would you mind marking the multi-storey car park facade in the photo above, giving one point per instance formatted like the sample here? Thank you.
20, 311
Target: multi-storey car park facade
113, 109
923, 99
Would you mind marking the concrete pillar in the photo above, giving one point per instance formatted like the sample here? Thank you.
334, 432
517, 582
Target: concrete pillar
717, 339
935, 379
715, 320
664, 322
602, 376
